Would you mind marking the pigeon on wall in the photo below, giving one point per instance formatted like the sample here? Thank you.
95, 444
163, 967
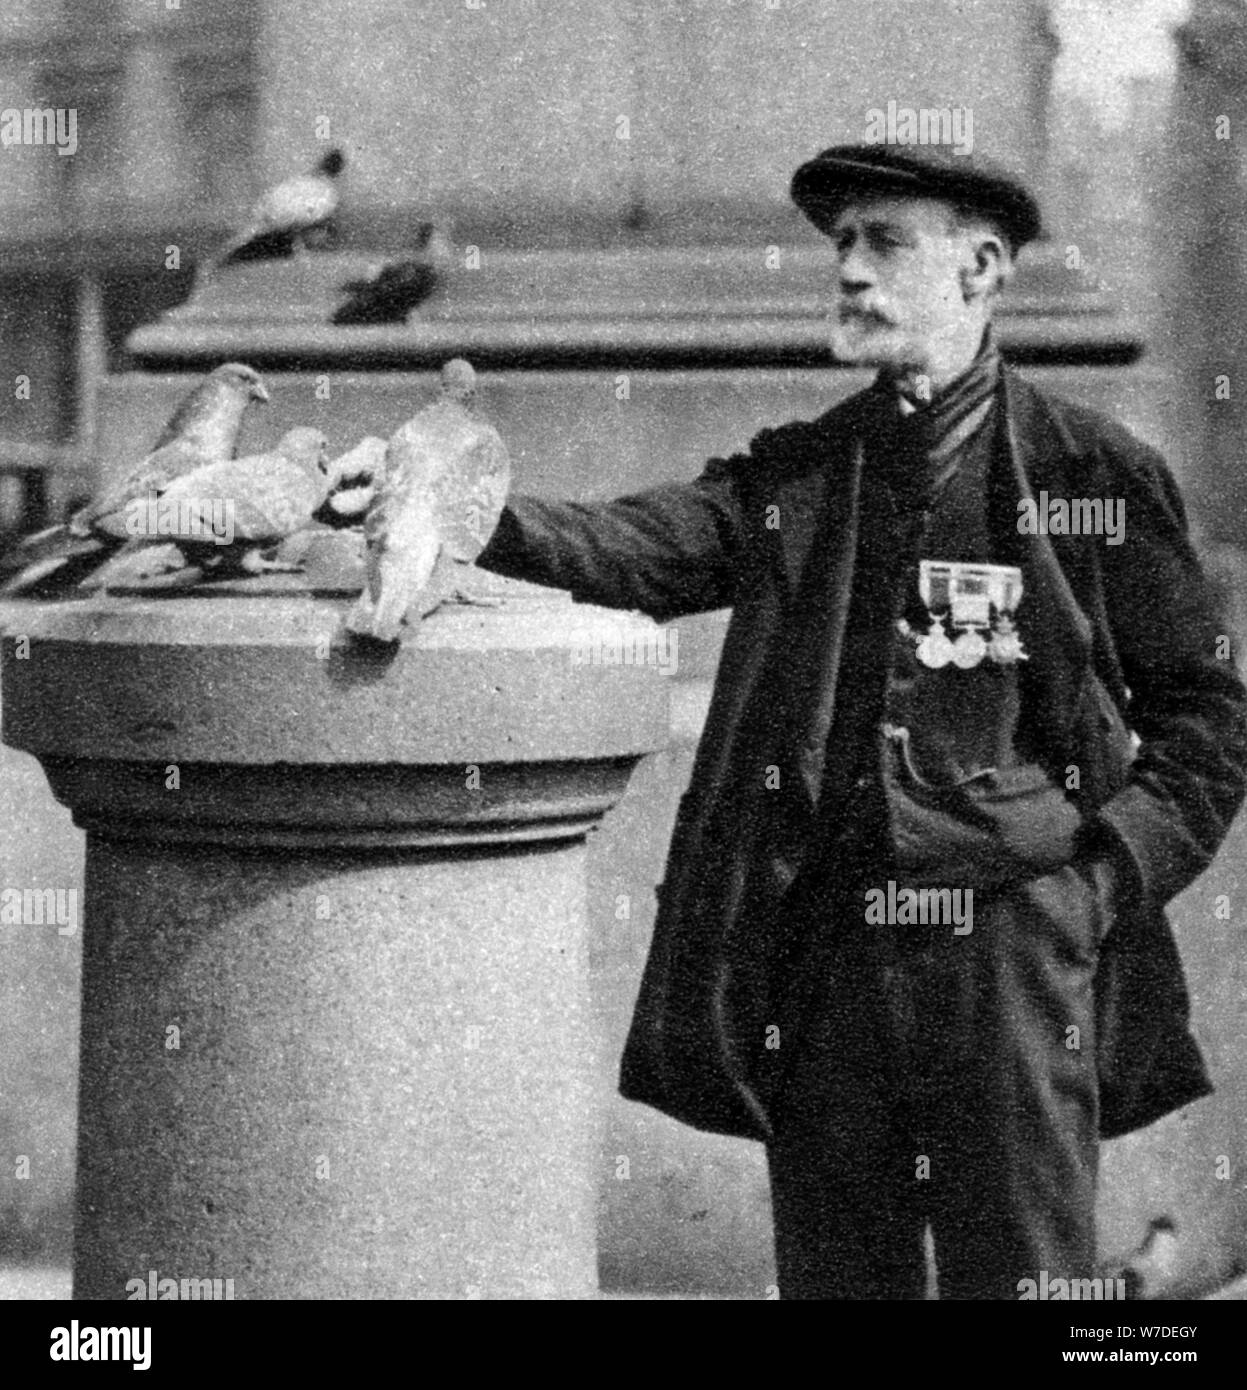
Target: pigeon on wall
203, 429
445, 481
210, 416
223, 517
283, 217
398, 286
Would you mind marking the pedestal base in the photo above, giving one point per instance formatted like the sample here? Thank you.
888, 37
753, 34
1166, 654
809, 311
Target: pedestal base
328, 1076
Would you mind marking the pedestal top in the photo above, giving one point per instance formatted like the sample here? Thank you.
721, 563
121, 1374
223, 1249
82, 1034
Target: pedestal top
266, 678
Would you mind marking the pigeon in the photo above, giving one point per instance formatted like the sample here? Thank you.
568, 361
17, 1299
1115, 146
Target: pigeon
397, 287
202, 429
211, 416
355, 478
283, 217
445, 482
222, 517
1150, 1270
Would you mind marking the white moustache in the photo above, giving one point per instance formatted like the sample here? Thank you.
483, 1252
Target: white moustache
849, 313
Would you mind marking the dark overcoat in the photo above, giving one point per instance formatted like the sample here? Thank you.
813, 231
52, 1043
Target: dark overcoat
1122, 638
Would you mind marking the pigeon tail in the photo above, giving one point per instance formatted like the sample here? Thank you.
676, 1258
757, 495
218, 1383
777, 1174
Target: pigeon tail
55, 572
380, 620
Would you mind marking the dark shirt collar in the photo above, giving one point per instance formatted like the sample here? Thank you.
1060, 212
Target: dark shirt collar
917, 451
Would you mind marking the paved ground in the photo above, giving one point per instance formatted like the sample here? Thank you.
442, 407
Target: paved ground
35, 1282
54, 1284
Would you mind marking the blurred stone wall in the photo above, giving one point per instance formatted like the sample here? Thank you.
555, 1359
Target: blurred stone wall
537, 121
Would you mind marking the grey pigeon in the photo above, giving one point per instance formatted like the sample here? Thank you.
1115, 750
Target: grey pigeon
203, 429
445, 481
223, 517
397, 287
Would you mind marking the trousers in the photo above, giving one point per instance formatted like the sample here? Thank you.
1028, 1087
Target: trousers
939, 1079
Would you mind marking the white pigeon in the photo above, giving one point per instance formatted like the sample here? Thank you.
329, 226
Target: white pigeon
282, 218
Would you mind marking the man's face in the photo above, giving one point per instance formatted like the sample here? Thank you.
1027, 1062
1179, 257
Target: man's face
900, 299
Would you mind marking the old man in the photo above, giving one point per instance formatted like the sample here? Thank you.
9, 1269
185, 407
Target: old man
926, 700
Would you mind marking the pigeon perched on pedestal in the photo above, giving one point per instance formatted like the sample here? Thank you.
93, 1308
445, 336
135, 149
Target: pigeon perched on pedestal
203, 429
283, 217
221, 518
356, 476
445, 482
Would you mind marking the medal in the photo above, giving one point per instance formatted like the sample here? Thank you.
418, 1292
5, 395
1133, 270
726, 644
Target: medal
969, 649
977, 602
1005, 646
935, 650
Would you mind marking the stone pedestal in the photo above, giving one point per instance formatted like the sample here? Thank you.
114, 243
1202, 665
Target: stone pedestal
336, 1039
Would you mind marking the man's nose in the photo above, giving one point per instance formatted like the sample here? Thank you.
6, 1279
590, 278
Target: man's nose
855, 272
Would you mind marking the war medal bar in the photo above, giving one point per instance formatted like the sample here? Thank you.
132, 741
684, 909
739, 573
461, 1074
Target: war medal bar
977, 603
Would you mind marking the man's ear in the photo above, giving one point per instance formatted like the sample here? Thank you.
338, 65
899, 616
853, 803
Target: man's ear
988, 265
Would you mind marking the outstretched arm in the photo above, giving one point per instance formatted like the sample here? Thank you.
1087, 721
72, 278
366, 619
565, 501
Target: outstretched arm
667, 551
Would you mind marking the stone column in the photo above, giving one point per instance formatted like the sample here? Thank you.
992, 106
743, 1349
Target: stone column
336, 1037
1204, 206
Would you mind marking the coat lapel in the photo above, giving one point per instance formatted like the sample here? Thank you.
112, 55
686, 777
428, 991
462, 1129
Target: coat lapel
1058, 634
817, 538
817, 496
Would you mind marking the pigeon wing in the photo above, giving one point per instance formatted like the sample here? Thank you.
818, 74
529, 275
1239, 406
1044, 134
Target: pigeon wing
401, 538
266, 498
470, 492
296, 204
109, 512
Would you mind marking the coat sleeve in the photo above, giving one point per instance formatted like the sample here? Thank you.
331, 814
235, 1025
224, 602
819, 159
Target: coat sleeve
1187, 702
668, 551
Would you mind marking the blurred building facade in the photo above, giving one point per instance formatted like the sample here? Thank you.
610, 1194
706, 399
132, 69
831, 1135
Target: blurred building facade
166, 107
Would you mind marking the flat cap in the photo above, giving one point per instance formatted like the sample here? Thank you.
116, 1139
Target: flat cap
821, 186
